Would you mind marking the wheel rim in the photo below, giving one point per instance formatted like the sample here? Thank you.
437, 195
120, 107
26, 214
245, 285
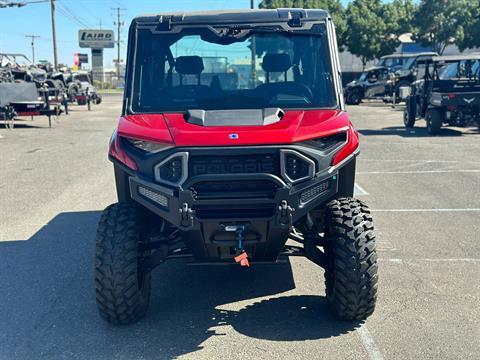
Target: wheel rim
354, 98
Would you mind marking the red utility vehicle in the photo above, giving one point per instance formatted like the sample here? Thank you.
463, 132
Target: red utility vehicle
225, 161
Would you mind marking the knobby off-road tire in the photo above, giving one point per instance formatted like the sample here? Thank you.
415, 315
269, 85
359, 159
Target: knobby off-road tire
351, 278
353, 97
434, 119
122, 290
407, 120
409, 114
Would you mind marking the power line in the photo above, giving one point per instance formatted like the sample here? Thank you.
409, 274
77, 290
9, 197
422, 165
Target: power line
65, 10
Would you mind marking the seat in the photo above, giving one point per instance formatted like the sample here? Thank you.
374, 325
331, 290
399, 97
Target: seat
281, 63
276, 63
189, 65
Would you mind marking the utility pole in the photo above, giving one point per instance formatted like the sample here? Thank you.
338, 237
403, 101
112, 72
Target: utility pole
119, 23
254, 50
54, 35
33, 37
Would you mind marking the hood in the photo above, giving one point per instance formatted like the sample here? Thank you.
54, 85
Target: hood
295, 126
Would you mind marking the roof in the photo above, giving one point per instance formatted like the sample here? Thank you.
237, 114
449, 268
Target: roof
405, 55
376, 68
452, 58
236, 16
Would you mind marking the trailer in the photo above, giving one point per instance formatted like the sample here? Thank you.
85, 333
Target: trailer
19, 99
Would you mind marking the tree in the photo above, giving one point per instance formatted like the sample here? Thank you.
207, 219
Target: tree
442, 22
367, 32
398, 16
334, 7
471, 38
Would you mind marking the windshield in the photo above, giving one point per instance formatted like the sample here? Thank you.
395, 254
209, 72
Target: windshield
392, 62
196, 69
82, 78
461, 70
14, 60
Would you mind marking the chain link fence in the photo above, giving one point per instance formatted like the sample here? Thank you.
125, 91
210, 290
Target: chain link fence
105, 80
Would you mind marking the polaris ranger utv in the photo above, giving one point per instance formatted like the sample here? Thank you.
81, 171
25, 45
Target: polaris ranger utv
226, 171
447, 92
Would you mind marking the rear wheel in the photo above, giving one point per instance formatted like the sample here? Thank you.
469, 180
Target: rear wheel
434, 119
351, 277
408, 119
122, 288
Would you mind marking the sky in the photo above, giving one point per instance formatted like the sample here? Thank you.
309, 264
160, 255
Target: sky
73, 15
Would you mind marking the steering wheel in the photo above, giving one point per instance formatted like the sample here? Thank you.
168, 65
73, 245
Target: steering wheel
289, 88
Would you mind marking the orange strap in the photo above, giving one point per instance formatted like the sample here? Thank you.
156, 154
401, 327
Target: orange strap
242, 259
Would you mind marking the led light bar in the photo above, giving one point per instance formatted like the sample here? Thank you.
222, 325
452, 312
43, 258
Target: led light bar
154, 196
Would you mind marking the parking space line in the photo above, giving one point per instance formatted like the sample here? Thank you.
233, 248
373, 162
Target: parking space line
369, 344
358, 190
418, 172
426, 210
466, 260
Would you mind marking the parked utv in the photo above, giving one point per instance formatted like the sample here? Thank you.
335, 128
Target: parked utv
447, 92
226, 172
374, 83
23, 69
383, 81
82, 90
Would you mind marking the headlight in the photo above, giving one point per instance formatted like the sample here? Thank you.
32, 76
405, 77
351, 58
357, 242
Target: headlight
327, 143
296, 167
173, 170
147, 146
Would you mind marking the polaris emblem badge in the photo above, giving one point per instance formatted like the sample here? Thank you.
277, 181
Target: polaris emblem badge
233, 136
468, 101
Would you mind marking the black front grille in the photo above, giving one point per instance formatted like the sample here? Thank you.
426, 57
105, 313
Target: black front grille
244, 164
241, 189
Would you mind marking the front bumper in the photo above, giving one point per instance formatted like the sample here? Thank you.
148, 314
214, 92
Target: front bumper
185, 210
267, 205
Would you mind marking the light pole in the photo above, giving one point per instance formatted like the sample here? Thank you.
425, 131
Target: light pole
54, 35
119, 24
33, 37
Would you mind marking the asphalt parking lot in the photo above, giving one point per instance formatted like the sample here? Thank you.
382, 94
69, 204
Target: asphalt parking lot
425, 195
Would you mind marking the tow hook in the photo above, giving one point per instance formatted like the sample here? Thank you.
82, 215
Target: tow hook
241, 256
186, 214
285, 213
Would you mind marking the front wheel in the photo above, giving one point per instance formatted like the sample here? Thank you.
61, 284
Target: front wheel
351, 276
353, 97
122, 288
